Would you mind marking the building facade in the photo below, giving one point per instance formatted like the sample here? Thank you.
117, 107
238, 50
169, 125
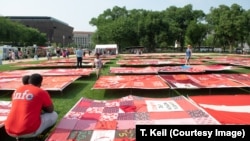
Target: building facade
83, 39
57, 31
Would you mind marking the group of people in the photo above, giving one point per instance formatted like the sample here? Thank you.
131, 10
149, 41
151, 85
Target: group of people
97, 62
32, 109
64, 52
34, 106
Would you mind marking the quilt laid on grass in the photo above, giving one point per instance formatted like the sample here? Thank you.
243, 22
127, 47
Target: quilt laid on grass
74, 61
4, 111
47, 72
134, 70
156, 62
67, 60
130, 81
227, 109
52, 83
52, 65
193, 68
170, 69
42, 65
188, 81
240, 78
232, 60
115, 120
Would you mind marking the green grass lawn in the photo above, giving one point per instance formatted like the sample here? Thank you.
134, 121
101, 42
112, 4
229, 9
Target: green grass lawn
65, 100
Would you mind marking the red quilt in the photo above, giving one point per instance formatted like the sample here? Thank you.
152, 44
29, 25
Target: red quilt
187, 81
4, 111
47, 72
227, 109
53, 83
115, 120
134, 70
130, 81
240, 78
89, 64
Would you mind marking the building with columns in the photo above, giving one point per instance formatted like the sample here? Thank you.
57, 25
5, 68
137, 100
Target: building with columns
82, 39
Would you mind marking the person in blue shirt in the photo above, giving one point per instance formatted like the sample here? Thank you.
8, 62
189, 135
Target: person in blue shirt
79, 55
188, 54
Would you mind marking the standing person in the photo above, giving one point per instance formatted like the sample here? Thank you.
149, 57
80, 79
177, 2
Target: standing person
89, 52
79, 54
97, 64
67, 53
58, 52
188, 54
48, 54
10, 55
32, 110
175, 45
13, 56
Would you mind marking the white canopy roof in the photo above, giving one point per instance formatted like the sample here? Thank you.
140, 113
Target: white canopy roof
106, 46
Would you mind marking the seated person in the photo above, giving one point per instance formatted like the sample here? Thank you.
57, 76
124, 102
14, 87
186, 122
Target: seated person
32, 110
25, 79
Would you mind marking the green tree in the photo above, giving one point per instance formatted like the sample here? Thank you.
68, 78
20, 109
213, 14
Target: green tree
229, 24
195, 33
14, 33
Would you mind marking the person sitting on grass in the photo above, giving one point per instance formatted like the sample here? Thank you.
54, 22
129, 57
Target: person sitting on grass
25, 79
97, 64
32, 110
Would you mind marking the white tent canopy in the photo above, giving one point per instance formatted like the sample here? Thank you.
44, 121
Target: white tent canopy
106, 47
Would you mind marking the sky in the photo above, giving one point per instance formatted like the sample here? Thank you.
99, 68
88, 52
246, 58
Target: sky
78, 13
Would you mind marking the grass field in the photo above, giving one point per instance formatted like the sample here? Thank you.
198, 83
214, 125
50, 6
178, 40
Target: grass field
83, 88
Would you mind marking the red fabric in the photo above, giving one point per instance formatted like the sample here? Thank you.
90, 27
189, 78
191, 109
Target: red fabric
225, 117
94, 116
27, 103
59, 135
128, 108
108, 125
229, 117
222, 99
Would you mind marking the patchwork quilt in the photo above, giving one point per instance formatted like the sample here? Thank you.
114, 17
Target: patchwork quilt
187, 81
115, 120
169, 69
134, 70
4, 111
156, 62
67, 64
53, 83
130, 81
227, 109
240, 78
47, 72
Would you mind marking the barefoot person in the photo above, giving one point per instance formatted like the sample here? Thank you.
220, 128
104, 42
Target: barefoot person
188, 54
97, 64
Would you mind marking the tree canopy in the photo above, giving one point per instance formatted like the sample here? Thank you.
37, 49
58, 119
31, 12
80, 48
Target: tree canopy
15, 33
222, 26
